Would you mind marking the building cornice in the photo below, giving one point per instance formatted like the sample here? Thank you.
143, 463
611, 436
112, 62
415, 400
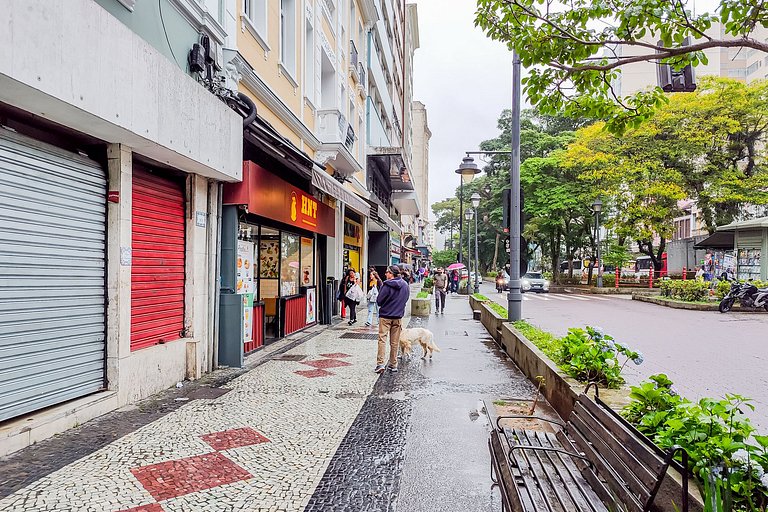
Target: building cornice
199, 17
273, 102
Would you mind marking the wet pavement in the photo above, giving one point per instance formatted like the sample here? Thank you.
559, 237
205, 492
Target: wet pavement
316, 430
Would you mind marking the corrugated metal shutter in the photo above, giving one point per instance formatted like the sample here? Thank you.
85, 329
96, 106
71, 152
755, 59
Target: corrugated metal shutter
157, 272
750, 239
52, 275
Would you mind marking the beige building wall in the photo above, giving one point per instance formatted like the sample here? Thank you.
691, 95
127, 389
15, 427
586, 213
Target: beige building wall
756, 61
421, 137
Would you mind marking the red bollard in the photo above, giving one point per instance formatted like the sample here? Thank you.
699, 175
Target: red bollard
616, 284
650, 278
343, 309
685, 274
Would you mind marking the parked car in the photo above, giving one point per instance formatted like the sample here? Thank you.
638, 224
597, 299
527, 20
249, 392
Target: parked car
535, 282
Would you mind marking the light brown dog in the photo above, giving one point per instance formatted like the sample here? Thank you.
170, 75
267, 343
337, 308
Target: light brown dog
424, 337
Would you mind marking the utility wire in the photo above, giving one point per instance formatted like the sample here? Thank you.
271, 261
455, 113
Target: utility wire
165, 30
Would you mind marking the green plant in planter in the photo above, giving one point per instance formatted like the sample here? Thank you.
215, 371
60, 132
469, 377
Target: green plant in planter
422, 295
589, 355
428, 283
692, 290
728, 460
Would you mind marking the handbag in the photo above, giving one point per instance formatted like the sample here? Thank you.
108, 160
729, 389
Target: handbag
355, 293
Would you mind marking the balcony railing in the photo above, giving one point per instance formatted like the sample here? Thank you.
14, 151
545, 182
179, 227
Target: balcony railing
361, 71
332, 126
353, 54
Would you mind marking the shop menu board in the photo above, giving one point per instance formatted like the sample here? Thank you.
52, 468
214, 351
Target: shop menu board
269, 255
749, 264
311, 306
245, 285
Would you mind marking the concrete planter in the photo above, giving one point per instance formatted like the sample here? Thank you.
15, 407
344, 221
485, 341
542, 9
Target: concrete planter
670, 303
421, 307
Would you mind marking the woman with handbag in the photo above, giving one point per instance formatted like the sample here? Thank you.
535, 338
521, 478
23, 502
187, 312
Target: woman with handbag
351, 294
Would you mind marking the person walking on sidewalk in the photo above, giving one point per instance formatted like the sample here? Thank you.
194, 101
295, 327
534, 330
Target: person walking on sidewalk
374, 285
392, 299
346, 285
441, 287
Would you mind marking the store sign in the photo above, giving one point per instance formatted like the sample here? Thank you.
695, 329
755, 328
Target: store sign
268, 196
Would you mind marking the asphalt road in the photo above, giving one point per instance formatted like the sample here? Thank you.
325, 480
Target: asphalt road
704, 353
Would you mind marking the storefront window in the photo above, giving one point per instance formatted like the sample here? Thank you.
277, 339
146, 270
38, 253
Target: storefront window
269, 262
307, 262
289, 264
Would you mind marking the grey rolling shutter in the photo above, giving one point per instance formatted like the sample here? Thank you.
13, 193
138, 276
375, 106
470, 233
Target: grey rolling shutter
52, 275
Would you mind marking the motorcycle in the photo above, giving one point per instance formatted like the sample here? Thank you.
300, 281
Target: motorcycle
501, 284
748, 294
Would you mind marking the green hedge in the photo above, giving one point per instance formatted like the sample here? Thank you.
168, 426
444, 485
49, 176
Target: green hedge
422, 295
692, 290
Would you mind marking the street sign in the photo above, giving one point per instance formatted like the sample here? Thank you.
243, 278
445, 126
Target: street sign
506, 245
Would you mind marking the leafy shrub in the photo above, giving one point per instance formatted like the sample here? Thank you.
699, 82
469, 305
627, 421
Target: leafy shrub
724, 454
547, 275
498, 309
480, 297
692, 290
463, 287
589, 355
546, 342
422, 295
428, 282
563, 279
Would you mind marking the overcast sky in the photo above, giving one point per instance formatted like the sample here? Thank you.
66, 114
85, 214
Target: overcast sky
464, 79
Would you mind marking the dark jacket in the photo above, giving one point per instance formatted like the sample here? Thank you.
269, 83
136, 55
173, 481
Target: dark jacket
392, 298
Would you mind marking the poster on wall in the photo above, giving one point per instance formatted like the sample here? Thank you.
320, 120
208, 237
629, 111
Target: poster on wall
244, 267
311, 306
245, 285
269, 258
247, 317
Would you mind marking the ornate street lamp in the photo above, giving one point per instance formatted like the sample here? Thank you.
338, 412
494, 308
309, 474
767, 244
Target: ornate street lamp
475, 203
597, 207
467, 170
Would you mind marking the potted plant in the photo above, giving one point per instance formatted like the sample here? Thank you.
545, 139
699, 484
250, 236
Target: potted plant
421, 305
428, 285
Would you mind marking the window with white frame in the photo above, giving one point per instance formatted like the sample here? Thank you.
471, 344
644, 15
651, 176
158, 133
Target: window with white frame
255, 12
309, 61
288, 35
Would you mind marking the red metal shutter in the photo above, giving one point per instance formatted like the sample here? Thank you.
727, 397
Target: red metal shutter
157, 272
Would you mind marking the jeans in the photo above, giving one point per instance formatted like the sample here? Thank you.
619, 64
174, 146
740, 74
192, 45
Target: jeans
439, 300
373, 309
393, 327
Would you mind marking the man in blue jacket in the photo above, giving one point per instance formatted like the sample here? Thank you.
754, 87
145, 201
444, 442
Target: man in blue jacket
392, 299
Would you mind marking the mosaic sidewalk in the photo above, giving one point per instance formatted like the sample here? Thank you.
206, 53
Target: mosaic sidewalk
262, 446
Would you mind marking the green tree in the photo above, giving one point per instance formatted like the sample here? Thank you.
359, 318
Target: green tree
443, 258
447, 219
574, 55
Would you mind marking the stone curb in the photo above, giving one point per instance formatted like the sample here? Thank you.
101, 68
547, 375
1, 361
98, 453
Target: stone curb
676, 305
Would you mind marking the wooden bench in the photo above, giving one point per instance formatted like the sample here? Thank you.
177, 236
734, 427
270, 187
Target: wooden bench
593, 463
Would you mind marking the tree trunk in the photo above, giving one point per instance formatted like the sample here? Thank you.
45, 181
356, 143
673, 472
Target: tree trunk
496, 252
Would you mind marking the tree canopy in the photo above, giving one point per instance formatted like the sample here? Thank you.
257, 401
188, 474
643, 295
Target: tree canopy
574, 49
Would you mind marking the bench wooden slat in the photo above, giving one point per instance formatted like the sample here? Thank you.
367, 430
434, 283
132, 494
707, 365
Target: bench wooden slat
509, 497
561, 489
639, 449
578, 488
534, 476
597, 485
613, 481
635, 475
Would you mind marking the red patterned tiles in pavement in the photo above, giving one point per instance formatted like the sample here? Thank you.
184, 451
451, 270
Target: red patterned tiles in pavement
152, 507
179, 477
311, 374
326, 363
336, 355
234, 438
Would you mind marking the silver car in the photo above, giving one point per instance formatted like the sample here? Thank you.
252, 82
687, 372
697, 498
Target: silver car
535, 282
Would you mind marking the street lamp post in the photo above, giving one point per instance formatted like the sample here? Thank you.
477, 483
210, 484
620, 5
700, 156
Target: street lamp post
475, 203
468, 215
597, 206
467, 170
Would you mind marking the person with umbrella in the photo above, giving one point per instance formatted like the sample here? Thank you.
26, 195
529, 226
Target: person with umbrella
453, 281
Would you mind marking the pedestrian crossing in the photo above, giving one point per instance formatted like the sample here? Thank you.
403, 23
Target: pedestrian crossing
546, 297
